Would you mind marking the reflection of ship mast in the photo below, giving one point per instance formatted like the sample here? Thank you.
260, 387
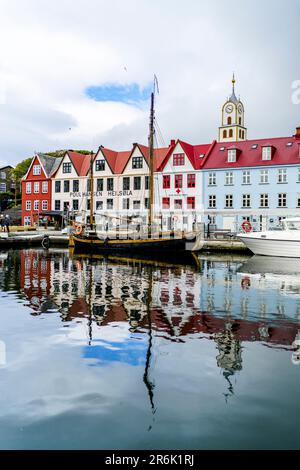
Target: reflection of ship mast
90, 311
149, 384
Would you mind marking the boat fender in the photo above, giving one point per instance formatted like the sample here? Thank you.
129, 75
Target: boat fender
46, 242
78, 229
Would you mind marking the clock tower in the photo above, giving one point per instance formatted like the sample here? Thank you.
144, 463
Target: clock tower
233, 127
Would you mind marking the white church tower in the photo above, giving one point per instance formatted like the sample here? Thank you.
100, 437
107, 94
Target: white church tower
233, 126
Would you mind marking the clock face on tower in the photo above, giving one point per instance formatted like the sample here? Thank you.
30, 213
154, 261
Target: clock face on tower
229, 108
240, 109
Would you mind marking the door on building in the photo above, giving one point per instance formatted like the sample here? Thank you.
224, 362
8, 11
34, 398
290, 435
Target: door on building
27, 221
263, 223
229, 223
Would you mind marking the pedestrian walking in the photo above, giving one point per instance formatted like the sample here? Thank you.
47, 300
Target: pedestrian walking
7, 222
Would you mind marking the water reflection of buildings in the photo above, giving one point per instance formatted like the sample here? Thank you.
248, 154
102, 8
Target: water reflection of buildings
214, 304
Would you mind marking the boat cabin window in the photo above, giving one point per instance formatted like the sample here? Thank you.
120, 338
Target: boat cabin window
292, 224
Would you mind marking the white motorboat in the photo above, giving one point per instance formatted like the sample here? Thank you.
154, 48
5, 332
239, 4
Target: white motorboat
283, 242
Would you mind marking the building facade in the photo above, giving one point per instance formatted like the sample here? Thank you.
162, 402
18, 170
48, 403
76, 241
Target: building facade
225, 182
37, 188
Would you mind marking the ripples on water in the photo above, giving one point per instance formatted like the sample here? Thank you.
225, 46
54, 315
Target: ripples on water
110, 353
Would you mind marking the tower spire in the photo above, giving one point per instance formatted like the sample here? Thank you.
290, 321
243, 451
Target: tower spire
233, 97
233, 83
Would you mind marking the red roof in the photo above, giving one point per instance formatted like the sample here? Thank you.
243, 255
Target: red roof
80, 162
117, 161
250, 154
197, 154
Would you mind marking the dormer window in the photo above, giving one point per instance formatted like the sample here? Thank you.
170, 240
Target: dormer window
231, 158
67, 167
100, 165
267, 153
137, 162
178, 159
36, 169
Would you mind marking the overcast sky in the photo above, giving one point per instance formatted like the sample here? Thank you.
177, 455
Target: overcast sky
76, 74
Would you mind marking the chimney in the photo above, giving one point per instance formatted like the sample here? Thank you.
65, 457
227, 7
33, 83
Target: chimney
297, 135
172, 142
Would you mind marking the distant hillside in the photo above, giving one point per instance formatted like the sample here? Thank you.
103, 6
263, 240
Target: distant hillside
60, 153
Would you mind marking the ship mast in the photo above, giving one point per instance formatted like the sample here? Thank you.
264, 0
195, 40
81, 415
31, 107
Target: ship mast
92, 193
151, 163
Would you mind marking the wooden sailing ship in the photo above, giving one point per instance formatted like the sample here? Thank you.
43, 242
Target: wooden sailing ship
149, 241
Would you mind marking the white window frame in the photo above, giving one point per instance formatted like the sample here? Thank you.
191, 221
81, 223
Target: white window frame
45, 187
246, 201
36, 205
28, 205
246, 177
44, 205
282, 175
28, 187
36, 187
281, 198
3, 187
264, 200
264, 176
231, 156
212, 178
266, 153
36, 170
212, 201
229, 178
228, 198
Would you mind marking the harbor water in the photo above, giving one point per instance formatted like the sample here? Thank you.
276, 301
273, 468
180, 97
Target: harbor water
114, 353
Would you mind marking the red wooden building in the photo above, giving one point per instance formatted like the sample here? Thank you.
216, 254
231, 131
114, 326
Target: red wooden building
37, 188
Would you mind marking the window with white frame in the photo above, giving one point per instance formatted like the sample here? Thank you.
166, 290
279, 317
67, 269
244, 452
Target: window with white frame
229, 178
3, 187
231, 156
266, 153
264, 200
246, 200
36, 187
228, 201
44, 205
36, 205
28, 188
36, 170
212, 179
212, 201
264, 176
282, 175
45, 187
282, 200
246, 177
28, 205
3, 175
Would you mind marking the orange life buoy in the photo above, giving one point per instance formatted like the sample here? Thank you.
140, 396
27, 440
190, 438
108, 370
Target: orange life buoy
78, 229
246, 226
